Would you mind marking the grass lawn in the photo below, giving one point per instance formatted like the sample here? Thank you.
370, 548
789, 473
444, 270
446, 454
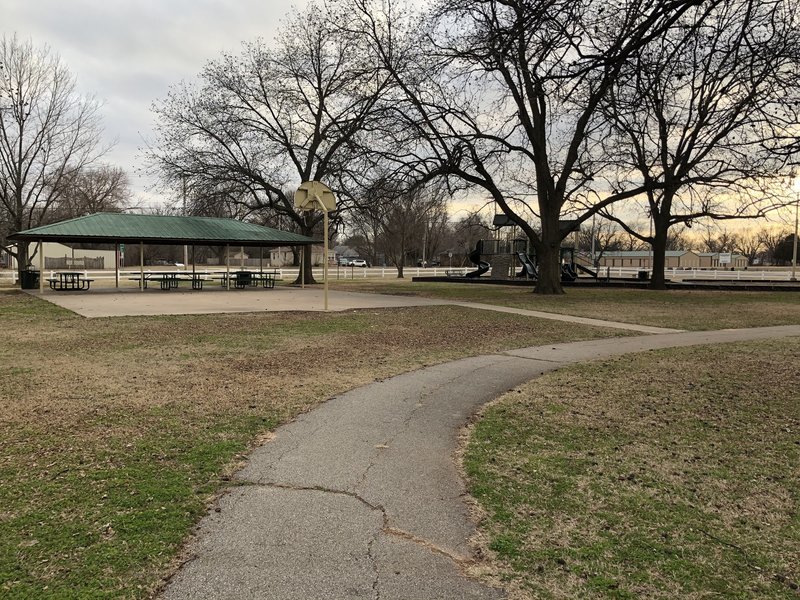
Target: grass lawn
115, 433
679, 309
670, 474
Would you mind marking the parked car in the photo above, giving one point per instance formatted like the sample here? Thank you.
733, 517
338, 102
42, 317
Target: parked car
358, 262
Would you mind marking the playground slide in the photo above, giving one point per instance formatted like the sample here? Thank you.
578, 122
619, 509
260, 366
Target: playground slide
586, 270
568, 273
475, 257
528, 268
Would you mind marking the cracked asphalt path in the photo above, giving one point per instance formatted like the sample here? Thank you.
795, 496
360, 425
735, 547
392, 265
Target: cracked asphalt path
360, 498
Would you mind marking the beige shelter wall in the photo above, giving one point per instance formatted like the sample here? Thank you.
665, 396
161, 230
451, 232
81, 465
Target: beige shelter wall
712, 262
687, 260
56, 250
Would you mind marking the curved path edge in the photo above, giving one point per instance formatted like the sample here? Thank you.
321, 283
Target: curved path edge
361, 498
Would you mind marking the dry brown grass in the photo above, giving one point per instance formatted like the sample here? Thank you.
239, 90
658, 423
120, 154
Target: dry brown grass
664, 474
113, 432
214, 363
679, 309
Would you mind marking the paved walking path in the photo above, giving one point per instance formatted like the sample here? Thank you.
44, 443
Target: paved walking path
566, 318
360, 498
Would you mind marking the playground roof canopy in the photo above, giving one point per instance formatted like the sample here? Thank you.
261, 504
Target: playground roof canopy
114, 228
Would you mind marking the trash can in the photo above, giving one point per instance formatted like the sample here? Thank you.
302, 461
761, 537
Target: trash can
643, 275
29, 280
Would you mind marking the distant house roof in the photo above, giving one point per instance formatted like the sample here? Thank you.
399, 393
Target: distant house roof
114, 228
642, 253
713, 254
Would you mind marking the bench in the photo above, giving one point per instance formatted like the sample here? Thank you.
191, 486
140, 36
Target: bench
243, 279
69, 281
454, 273
168, 281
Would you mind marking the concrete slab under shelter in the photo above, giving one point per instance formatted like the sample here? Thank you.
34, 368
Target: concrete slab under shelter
132, 302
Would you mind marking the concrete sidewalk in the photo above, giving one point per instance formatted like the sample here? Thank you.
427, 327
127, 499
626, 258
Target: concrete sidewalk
361, 498
132, 302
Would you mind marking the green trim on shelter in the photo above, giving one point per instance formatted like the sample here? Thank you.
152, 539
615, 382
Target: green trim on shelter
113, 228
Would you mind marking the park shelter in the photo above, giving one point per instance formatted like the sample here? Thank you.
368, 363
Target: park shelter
125, 228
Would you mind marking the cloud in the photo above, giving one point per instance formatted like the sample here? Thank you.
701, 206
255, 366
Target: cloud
128, 53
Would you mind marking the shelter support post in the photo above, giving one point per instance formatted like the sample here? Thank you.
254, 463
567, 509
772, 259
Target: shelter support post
116, 266
309, 193
228, 266
141, 266
325, 257
41, 267
261, 259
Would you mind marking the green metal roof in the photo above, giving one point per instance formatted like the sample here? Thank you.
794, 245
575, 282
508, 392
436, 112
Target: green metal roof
158, 229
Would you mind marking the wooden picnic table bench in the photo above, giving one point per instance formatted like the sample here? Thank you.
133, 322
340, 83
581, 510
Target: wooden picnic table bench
168, 280
243, 279
69, 281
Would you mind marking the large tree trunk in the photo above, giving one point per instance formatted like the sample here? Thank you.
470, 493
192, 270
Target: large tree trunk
660, 215
22, 258
658, 280
548, 254
549, 281
305, 274
400, 272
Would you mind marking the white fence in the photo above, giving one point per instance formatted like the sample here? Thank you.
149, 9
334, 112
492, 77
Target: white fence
675, 274
721, 274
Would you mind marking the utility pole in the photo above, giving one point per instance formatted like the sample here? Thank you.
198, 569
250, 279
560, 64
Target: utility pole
794, 245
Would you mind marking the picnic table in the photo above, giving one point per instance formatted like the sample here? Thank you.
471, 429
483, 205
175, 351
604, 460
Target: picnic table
243, 279
169, 279
239, 279
69, 281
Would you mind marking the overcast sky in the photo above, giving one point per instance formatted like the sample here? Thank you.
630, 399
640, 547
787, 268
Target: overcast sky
129, 53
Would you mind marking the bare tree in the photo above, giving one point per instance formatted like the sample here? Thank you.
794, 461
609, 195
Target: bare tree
771, 239
92, 190
468, 230
698, 114
718, 239
48, 134
404, 222
262, 122
607, 237
504, 95
749, 244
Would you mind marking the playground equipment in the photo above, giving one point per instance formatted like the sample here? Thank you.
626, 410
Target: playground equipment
569, 268
502, 253
567, 257
475, 258
528, 267
505, 255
